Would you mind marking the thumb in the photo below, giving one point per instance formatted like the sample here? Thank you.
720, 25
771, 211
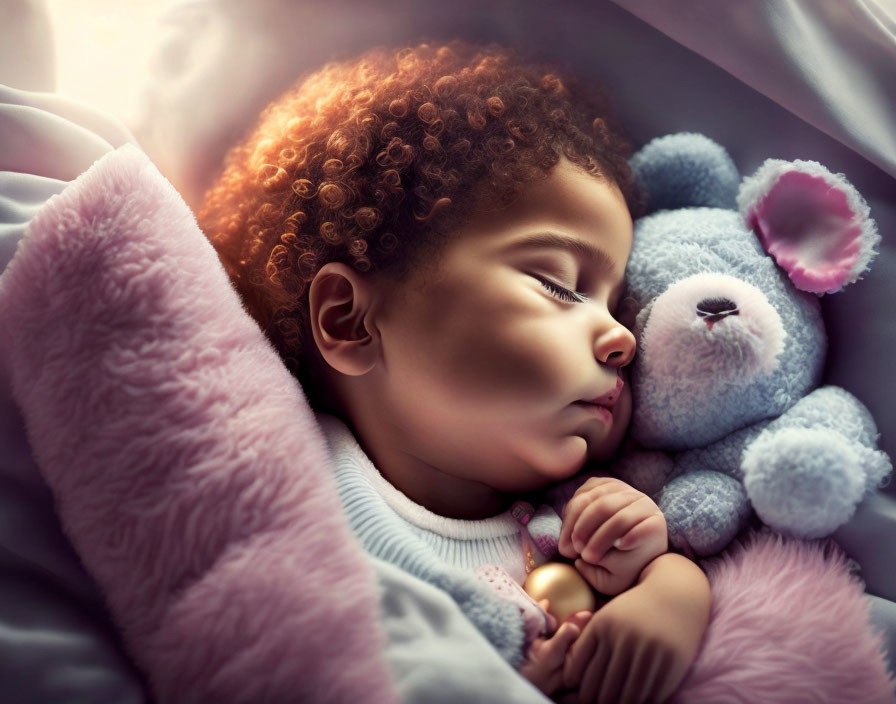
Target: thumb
561, 641
580, 618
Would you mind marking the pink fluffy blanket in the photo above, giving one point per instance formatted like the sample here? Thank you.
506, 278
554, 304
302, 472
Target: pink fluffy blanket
192, 479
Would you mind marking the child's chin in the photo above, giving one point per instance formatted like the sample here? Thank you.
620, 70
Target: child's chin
543, 468
572, 457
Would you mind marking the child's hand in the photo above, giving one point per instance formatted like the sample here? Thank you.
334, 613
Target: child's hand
638, 647
546, 656
614, 530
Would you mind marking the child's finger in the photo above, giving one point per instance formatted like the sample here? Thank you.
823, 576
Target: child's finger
580, 618
573, 510
600, 577
590, 492
545, 605
617, 533
602, 523
596, 513
564, 544
651, 526
552, 651
603, 681
564, 637
641, 675
582, 652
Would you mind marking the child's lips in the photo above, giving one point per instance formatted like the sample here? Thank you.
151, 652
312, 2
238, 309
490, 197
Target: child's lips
608, 399
604, 413
601, 406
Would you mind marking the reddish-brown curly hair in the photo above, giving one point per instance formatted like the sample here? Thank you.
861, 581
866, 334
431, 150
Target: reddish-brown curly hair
370, 162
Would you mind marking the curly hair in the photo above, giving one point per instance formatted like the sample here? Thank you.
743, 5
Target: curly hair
370, 162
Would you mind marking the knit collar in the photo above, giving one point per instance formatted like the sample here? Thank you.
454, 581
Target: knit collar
345, 448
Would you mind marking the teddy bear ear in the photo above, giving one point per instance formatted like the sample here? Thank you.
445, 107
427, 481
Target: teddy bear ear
812, 222
683, 170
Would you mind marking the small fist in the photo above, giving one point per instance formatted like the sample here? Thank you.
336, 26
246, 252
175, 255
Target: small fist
612, 531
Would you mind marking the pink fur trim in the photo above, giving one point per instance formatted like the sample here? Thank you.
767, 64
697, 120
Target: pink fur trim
789, 623
187, 467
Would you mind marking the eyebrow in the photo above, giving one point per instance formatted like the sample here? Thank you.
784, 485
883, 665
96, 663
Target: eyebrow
582, 249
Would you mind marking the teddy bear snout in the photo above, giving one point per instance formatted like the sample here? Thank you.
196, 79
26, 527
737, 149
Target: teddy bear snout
712, 310
712, 323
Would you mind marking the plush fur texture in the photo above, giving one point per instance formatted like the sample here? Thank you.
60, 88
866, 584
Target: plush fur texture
183, 457
788, 624
731, 346
192, 479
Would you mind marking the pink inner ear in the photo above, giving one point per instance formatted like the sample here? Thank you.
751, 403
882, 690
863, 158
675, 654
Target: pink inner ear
806, 224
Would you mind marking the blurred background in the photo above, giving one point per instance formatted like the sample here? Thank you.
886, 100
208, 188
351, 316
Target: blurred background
102, 50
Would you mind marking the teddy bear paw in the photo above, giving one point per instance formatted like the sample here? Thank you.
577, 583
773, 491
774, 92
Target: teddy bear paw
803, 482
704, 510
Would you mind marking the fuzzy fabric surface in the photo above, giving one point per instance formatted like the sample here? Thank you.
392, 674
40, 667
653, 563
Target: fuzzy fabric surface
182, 455
192, 479
724, 304
788, 624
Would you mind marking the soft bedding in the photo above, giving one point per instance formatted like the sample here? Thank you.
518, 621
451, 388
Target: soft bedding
190, 475
56, 641
168, 431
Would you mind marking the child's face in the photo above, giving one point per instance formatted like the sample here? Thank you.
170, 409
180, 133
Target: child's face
487, 362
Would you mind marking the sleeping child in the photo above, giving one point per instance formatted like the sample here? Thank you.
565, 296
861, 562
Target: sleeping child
435, 240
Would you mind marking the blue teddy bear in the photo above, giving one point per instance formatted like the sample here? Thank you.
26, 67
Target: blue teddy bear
723, 290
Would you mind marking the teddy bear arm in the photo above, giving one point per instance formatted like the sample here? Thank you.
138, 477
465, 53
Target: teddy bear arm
807, 472
835, 409
704, 511
722, 456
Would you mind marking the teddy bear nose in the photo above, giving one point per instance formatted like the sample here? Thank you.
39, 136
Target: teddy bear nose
712, 310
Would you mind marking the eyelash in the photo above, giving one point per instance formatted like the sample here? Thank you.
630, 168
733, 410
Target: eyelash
561, 292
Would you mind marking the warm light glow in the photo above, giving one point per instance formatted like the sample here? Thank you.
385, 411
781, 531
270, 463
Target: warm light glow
102, 48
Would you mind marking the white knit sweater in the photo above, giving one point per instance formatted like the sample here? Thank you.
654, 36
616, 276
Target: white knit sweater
460, 543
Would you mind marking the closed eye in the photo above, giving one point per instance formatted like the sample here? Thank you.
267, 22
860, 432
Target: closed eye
561, 292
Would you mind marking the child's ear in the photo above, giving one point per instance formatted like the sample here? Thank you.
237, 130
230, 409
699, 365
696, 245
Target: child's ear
340, 303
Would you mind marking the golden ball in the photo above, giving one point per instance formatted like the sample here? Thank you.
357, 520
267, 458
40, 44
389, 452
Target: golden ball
563, 586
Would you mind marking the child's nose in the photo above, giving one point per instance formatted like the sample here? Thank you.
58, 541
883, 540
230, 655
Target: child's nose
616, 347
